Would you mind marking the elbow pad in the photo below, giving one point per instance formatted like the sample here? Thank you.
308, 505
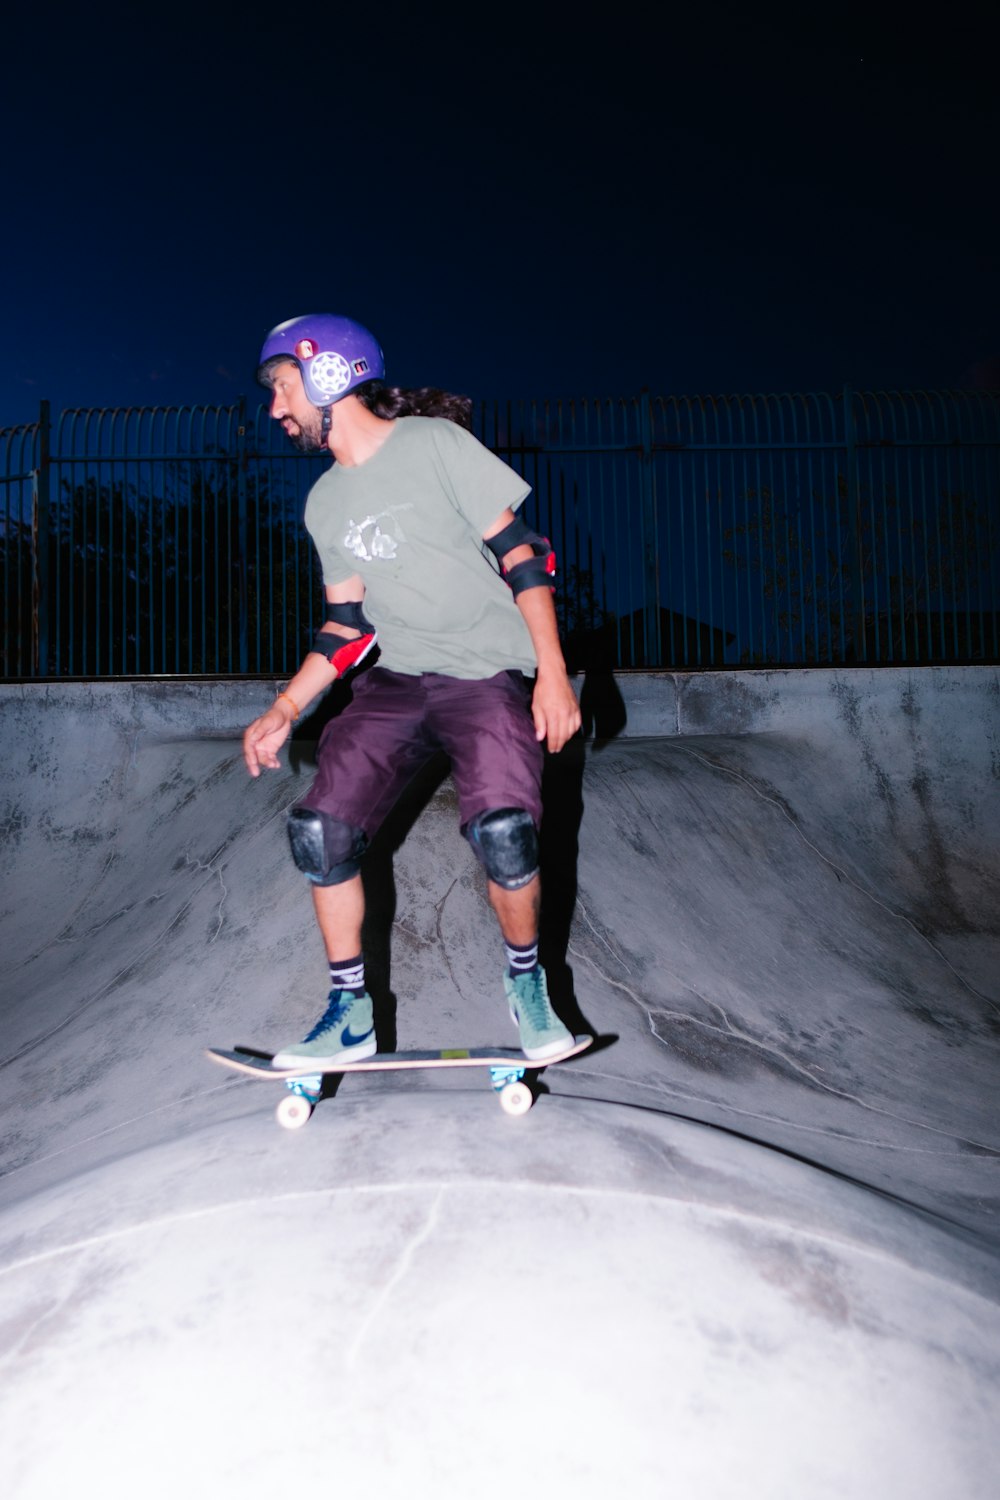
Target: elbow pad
535, 572
339, 652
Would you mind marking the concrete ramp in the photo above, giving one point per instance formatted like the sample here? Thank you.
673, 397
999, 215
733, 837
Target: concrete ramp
746, 1245
804, 918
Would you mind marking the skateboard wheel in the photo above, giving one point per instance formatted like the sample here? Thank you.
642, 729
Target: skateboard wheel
516, 1099
293, 1112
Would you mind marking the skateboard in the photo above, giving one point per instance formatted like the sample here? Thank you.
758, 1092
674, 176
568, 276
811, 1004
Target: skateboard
507, 1069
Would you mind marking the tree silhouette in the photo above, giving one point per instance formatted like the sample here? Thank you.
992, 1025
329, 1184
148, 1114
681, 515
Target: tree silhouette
188, 576
878, 580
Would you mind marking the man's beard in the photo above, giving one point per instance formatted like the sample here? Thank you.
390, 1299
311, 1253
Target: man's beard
309, 438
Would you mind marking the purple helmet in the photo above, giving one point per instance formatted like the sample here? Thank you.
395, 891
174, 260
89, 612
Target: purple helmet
334, 355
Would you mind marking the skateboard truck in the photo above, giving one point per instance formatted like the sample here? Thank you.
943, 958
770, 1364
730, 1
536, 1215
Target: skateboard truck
300, 1101
304, 1094
515, 1096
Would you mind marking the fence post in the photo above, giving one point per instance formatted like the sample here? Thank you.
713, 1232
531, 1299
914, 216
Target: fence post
650, 542
243, 580
40, 529
857, 530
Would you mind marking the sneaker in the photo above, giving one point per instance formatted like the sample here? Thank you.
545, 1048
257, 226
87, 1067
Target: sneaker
542, 1032
345, 1032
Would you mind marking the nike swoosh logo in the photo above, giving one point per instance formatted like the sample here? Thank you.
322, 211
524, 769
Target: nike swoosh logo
350, 1040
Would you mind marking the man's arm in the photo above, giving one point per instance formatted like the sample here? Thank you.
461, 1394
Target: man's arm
553, 706
265, 736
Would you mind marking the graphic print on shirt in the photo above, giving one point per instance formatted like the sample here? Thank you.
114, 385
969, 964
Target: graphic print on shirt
376, 538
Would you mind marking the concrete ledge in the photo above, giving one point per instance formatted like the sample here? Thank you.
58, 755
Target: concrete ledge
631, 705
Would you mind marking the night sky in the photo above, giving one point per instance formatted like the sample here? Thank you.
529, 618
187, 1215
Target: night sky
541, 201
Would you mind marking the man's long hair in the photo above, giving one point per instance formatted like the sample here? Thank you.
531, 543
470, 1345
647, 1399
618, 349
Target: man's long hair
390, 401
419, 401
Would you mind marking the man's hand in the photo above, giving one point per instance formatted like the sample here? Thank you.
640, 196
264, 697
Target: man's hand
265, 737
554, 709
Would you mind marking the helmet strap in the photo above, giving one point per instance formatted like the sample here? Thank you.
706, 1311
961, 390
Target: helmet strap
327, 419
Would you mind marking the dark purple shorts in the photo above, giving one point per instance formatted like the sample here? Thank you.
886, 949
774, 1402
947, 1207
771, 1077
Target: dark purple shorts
395, 723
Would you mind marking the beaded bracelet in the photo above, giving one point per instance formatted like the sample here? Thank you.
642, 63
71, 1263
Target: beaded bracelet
295, 706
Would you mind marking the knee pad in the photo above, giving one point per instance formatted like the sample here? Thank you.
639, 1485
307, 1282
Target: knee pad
327, 851
506, 845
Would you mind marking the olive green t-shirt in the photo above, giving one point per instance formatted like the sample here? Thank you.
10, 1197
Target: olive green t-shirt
410, 521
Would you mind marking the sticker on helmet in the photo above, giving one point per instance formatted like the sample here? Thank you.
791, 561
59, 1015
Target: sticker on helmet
361, 367
305, 349
330, 374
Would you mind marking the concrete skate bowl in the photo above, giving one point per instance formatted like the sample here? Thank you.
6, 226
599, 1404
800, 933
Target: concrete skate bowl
749, 1247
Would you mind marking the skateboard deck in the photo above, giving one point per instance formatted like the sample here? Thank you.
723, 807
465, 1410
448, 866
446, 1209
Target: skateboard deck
507, 1067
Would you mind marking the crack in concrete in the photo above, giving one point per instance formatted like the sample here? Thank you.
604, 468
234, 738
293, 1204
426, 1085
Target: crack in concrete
398, 1274
727, 1029
46, 1316
196, 864
769, 1048
983, 1151
439, 934
600, 938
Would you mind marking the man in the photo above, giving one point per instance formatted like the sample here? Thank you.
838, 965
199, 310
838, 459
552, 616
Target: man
405, 523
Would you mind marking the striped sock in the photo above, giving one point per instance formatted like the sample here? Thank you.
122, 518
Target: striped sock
348, 974
521, 960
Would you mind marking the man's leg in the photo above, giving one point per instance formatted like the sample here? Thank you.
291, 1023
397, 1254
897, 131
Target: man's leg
542, 1033
517, 911
328, 851
347, 1024
365, 756
487, 729
340, 912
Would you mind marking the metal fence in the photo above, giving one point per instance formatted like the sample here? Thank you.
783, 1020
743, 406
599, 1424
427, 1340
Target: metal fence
692, 532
